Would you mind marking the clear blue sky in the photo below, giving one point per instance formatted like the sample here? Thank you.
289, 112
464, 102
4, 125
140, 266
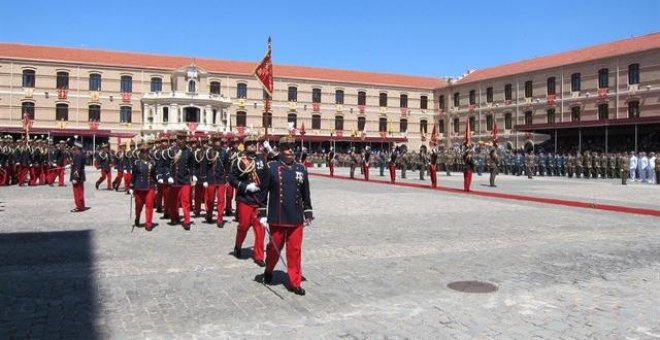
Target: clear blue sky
430, 38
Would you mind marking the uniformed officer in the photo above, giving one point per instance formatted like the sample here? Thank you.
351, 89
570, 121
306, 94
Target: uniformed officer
119, 161
366, 157
143, 186
104, 163
179, 177
353, 162
392, 165
289, 207
77, 177
468, 160
331, 161
131, 157
493, 166
246, 176
433, 168
214, 180
198, 190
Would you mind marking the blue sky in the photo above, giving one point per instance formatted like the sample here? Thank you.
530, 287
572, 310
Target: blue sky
429, 38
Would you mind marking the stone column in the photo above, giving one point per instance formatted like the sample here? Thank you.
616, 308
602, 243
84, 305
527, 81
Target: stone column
174, 114
209, 116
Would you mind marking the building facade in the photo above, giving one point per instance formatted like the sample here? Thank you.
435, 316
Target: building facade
601, 91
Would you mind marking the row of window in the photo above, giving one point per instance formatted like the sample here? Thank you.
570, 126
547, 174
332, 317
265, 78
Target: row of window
551, 86
94, 112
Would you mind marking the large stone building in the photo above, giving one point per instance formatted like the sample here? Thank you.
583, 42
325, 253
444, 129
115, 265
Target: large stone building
108, 95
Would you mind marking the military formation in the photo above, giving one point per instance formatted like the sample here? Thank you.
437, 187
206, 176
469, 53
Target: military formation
33, 161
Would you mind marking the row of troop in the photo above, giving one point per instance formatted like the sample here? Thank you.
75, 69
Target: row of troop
32, 161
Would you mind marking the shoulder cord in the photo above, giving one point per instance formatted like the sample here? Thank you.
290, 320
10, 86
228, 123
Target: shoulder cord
212, 159
198, 160
249, 165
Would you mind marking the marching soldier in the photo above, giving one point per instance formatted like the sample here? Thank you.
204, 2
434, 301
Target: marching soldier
366, 157
131, 157
119, 159
214, 180
404, 163
232, 151
433, 168
104, 163
77, 177
422, 162
247, 175
331, 161
586, 165
179, 177
199, 191
143, 185
570, 165
392, 165
289, 207
493, 166
468, 160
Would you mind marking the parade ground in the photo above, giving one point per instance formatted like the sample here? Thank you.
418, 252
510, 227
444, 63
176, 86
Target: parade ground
382, 262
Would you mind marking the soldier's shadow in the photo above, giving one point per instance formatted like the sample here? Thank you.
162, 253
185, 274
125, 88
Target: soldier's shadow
246, 253
279, 278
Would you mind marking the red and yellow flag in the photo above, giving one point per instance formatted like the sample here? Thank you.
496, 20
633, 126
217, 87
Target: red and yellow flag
264, 71
468, 134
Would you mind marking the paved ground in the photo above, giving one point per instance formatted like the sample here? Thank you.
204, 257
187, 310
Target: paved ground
378, 259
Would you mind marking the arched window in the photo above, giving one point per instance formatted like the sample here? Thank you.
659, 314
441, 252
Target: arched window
61, 112
361, 122
339, 97
241, 119
316, 95
292, 118
241, 90
156, 84
95, 82
403, 125
192, 86
214, 88
29, 78
603, 78
339, 123
508, 92
382, 124
27, 108
316, 122
125, 114
362, 98
293, 94
457, 99
489, 95
63, 80
382, 100
423, 126
94, 113
126, 85
267, 119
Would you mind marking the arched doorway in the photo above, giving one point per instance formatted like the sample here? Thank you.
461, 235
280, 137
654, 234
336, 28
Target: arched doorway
191, 114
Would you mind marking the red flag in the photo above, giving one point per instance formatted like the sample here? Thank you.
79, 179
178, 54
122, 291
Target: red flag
434, 135
468, 135
264, 71
302, 129
495, 134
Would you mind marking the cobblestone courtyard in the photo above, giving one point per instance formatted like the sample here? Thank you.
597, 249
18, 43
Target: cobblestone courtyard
378, 260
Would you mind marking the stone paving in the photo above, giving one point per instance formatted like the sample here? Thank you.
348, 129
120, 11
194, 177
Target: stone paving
378, 261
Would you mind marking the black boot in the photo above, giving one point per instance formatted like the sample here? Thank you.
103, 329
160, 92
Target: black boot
237, 252
297, 290
260, 263
268, 277
137, 222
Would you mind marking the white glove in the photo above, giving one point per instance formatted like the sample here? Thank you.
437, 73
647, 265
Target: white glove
267, 146
74, 182
264, 221
206, 184
252, 188
194, 179
160, 181
130, 192
170, 180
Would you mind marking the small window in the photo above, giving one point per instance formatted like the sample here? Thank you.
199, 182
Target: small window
403, 100
423, 126
293, 94
489, 122
489, 95
61, 112
441, 126
339, 97
403, 125
362, 98
95, 82
457, 125
529, 118
603, 78
241, 90
457, 99
529, 89
473, 97
382, 124
603, 111
575, 114
316, 122
63, 80
508, 121
316, 95
292, 118
339, 123
382, 100
633, 74
125, 114
423, 102
94, 114
633, 109
508, 92
192, 86
156, 84
28, 108
214, 88
241, 119
576, 83
551, 116
551, 86
29, 78
441, 103
126, 84
267, 119
473, 124
361, 122
166, 114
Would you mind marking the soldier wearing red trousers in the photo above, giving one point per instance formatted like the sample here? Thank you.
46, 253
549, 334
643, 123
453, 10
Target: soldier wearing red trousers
214, 180
104, 163
162, 166
289, 207
23, 160
433, 168
331, 161
77, 177
143, 185
35, 163
60, 163
468, 160
119, 160
179, 177
131, 157
365, 162
232, 152
198, 188
392, 165
246, 176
